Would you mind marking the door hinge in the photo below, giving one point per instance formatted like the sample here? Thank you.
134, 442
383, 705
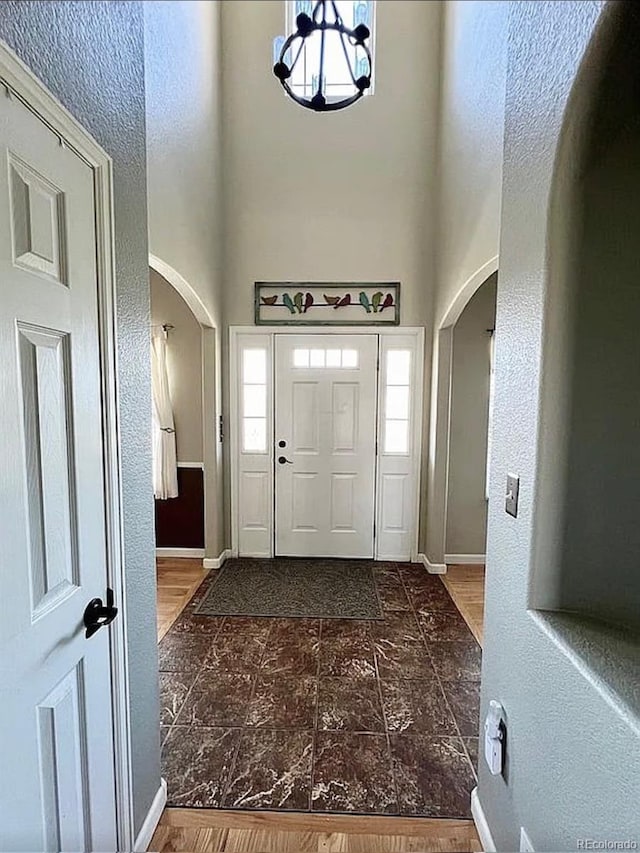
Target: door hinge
221, 428
374, 530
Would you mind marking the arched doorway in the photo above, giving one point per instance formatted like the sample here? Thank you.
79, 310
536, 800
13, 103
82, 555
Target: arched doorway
207, 412
440, 426
460, 441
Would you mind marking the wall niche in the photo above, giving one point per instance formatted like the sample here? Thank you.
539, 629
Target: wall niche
587, 548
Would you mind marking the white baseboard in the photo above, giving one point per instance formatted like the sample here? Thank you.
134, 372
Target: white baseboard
465, 559
218, 562
432, 568
482, 827
143, 839
180, 552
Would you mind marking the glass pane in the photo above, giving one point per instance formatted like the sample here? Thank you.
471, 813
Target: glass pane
316, 358
278, 44
301, 358
349, 358
305, 6
254, 363
397, 401
255, 401
333, 358
338, 69
396, 436
398, 367
255, 435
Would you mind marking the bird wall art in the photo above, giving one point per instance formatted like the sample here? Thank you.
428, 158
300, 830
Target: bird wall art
327, 303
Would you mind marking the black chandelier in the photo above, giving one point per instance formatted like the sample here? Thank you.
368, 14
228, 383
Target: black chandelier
326, 20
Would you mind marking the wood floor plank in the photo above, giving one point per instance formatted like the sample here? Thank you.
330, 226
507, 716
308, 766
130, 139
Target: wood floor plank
171, 839
465, 585
177, 580
302, 821
219, 831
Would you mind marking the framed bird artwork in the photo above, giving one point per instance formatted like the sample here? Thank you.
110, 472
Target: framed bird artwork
301, 303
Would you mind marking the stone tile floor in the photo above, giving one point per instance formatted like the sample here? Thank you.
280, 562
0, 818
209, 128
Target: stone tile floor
375, 717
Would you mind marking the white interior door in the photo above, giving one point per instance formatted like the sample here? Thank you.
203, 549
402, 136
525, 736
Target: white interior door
325, 444
56, 736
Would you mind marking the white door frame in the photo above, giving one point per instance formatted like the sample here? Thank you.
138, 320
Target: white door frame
18, 81
268, 333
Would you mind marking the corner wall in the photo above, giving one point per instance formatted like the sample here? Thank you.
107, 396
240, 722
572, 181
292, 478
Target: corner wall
183, 104
90, 55
474, 61
471, 121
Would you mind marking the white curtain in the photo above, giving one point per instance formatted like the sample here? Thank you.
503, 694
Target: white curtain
165, 469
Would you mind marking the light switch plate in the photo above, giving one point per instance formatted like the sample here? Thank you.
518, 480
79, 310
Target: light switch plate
511, 497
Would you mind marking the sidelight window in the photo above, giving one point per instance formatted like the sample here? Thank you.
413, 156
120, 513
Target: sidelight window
397, 388
254, 401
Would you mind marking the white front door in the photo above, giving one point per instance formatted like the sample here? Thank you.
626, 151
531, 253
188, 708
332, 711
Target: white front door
325, 444
56, 737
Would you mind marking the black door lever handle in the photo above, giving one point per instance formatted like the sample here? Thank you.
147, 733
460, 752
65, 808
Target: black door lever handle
284, 461
97, 614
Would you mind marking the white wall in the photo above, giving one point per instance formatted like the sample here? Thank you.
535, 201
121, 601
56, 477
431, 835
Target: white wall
471, 122
466, 502
183, 100
346, 196
474, 49
182, 65
184, 366
342, 196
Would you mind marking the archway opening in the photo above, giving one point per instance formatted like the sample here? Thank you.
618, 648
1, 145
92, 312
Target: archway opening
469, 430
180, 524
211, 395
587, 531
440, 420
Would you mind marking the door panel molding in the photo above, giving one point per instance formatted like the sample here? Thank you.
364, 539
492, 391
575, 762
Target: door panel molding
397, 476
63, 750
19, 82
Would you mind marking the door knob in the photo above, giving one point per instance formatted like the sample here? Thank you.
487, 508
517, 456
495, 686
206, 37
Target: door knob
97, 614
284, 461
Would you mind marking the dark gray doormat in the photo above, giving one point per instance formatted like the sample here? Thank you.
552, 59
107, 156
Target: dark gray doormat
318, 588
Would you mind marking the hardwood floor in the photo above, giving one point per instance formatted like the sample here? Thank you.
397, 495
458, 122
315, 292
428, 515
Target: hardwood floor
216, 831
465, 585
178, 579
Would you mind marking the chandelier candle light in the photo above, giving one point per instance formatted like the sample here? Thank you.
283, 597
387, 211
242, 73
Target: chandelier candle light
326, 24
